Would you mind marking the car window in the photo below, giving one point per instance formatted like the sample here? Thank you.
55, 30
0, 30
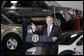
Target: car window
39, 4
4, 21
69, 38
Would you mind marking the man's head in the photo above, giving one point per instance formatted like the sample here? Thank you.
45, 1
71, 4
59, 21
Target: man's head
49, 20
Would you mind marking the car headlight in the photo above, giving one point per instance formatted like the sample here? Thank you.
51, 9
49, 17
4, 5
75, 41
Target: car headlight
2, 31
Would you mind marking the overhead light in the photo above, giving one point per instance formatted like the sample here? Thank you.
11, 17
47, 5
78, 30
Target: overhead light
13, 7
14, 1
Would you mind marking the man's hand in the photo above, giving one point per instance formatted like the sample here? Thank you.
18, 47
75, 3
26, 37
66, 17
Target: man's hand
54, 38
33, 26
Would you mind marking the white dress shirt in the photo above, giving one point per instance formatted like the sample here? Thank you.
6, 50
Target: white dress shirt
49, 29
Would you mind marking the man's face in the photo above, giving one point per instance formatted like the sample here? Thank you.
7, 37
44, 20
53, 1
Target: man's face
49, 21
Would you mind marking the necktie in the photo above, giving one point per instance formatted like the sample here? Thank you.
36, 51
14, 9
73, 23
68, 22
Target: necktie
48, 30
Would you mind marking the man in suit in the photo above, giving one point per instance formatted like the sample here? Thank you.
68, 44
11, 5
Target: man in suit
52, 31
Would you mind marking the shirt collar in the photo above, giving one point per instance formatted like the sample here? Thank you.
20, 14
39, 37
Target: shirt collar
51, 25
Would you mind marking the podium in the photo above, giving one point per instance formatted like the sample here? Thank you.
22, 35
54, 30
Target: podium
39, 41
42, 39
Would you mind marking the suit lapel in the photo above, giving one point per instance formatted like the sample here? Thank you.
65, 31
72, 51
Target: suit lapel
45, 31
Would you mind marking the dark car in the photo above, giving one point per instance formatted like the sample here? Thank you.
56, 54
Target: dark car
28, 8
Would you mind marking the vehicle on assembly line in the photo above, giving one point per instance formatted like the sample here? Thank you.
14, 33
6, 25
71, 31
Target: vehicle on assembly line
11, 35
28, 8
71, 43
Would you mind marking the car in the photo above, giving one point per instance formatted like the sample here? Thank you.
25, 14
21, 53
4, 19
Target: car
11, 35
28, 8
71, 43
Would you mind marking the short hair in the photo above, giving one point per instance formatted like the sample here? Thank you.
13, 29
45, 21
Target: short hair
49, 17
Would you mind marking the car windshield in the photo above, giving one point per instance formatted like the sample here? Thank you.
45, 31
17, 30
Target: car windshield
70, 37
5, 21
40, 4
